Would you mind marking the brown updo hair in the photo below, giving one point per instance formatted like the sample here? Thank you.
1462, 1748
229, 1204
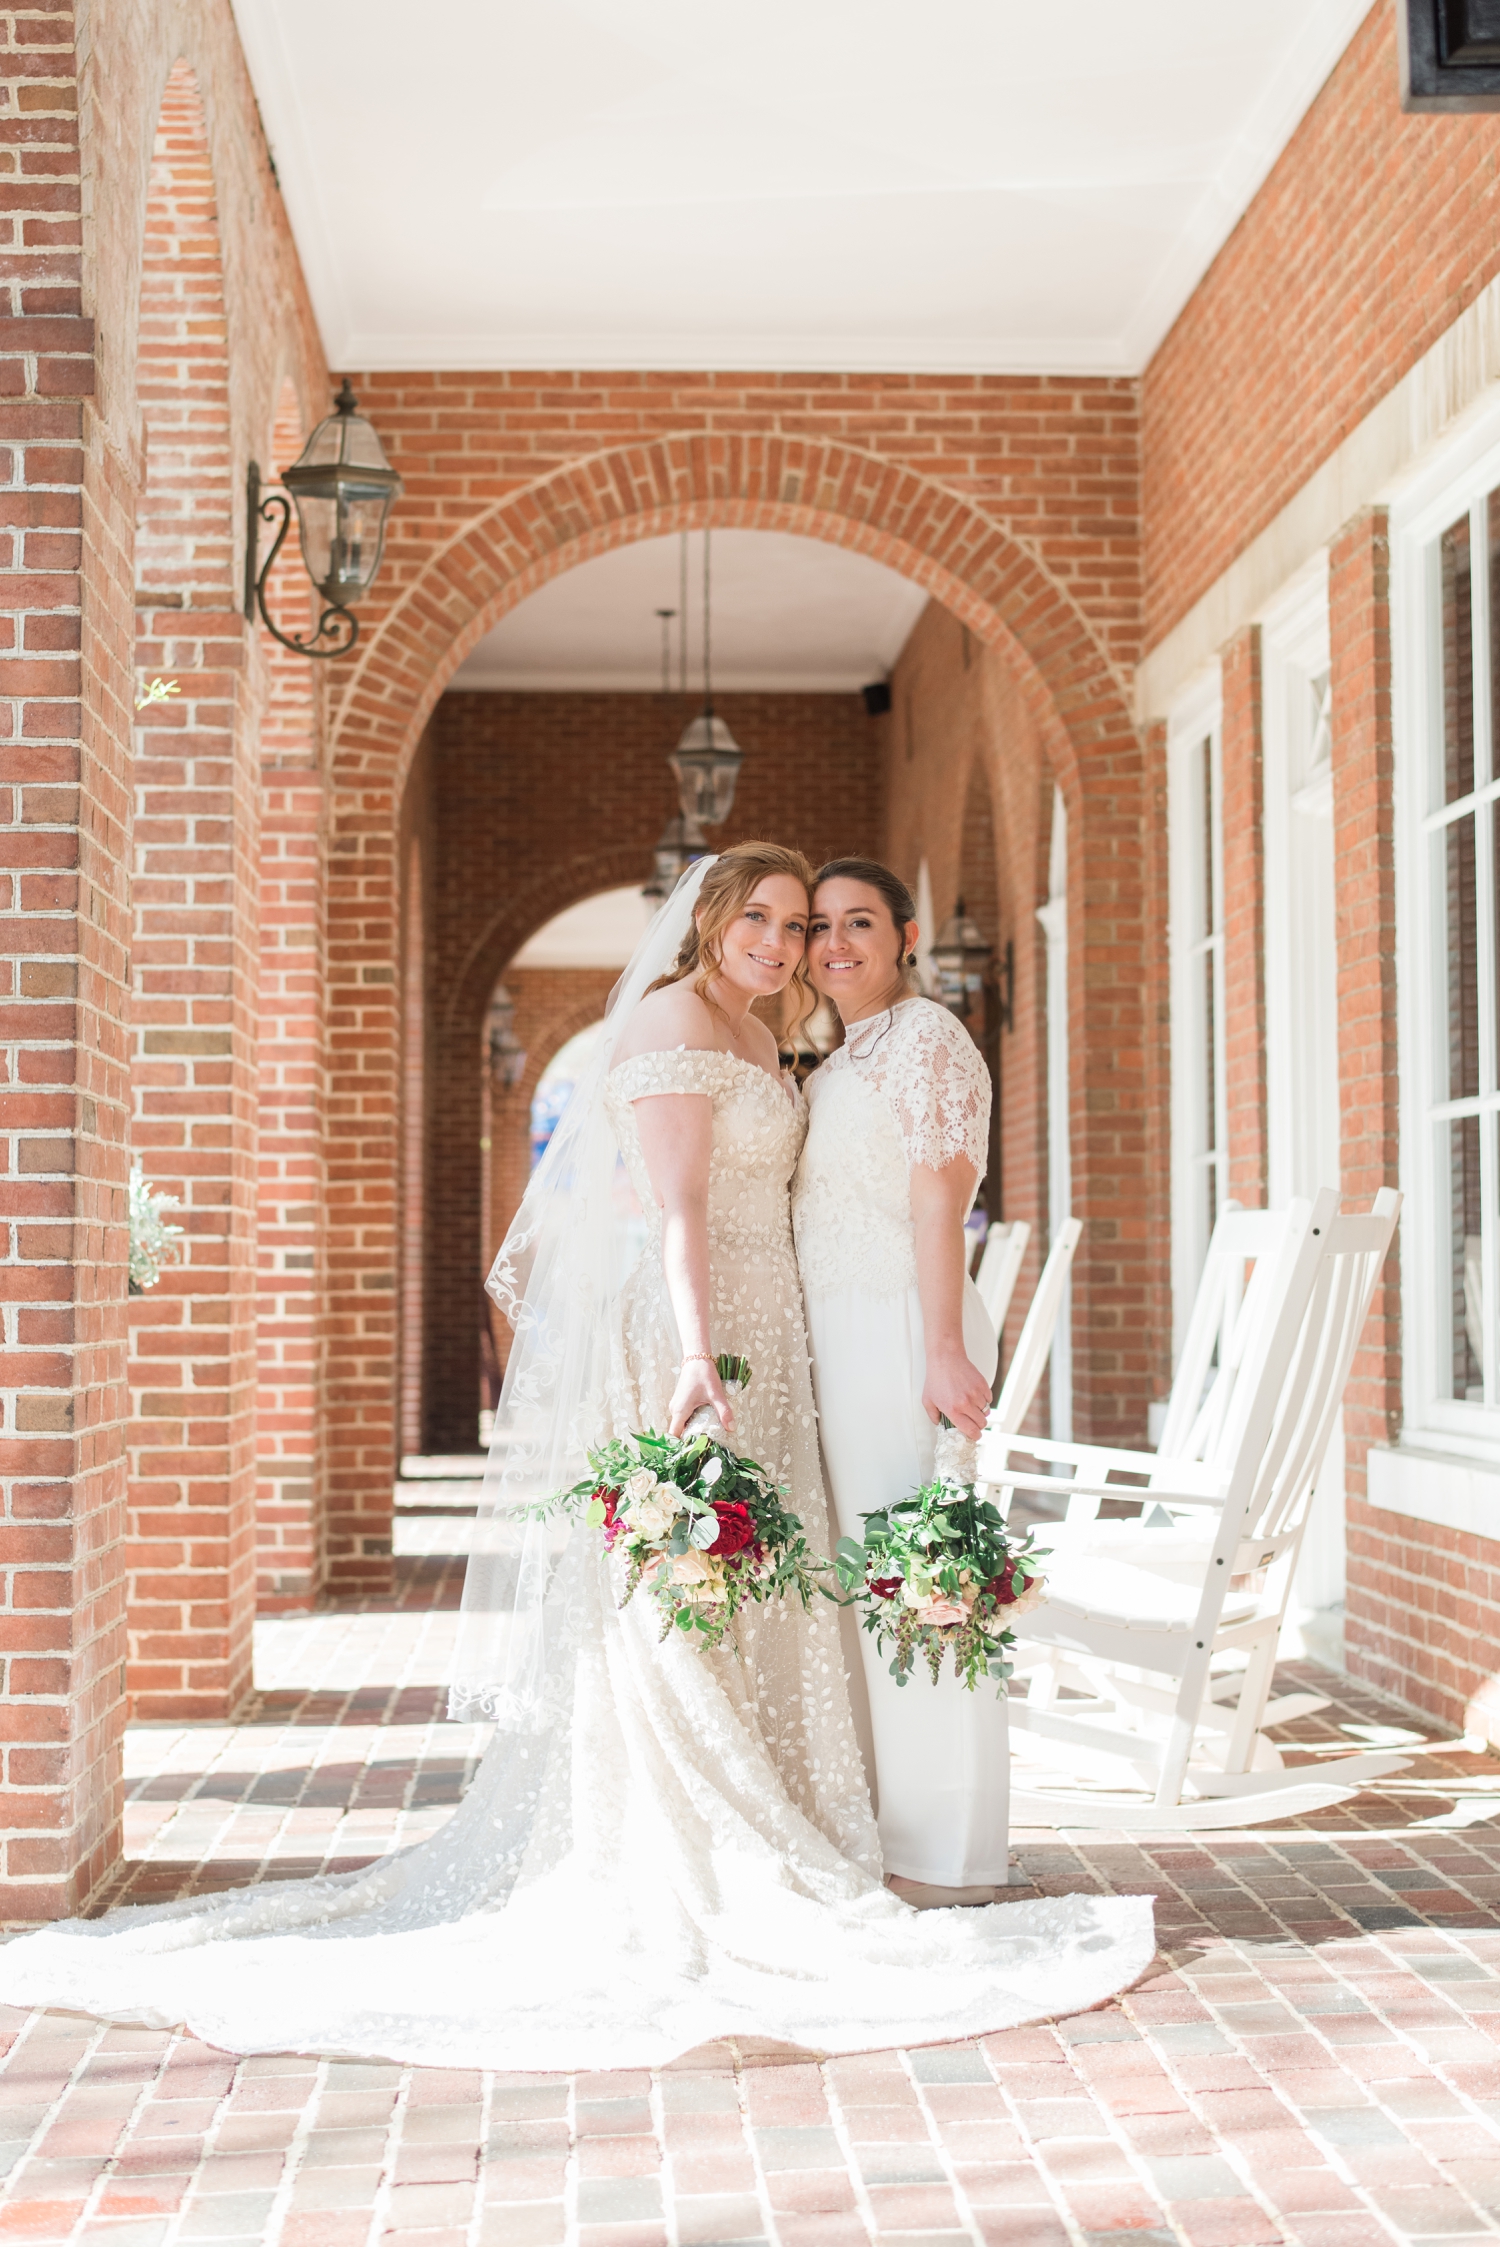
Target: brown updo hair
894, 895
730, 882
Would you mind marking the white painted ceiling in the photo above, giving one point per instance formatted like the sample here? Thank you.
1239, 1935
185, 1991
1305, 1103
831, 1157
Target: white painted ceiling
788, 613
963, 185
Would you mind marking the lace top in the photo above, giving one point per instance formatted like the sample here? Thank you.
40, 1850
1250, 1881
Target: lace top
910, 1087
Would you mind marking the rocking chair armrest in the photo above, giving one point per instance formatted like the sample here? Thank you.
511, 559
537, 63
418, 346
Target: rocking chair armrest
1056, 1486
1097, 1457
1093, 1463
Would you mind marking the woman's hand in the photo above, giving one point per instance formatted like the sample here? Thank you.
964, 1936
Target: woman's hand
698, 1384
956, 1390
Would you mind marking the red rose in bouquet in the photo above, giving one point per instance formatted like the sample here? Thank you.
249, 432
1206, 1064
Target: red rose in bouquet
736, 1528
1001, 1588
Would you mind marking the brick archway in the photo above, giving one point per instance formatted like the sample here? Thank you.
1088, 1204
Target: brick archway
991, 579
445, 594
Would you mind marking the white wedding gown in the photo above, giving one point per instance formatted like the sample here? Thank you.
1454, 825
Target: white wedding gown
908, 1086
683, 1850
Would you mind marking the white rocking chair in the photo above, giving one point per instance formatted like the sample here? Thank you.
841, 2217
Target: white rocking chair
999, 1269
1156, 1646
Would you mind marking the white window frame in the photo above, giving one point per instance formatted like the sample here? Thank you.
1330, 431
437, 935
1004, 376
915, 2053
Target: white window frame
1297, 775
1053, 917
1198, 1140
1461, 477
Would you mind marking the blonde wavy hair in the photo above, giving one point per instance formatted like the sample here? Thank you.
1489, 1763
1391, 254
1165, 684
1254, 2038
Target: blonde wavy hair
730, 882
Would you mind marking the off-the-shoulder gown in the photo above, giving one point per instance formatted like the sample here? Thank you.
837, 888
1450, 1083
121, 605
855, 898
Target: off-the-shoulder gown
697, 1859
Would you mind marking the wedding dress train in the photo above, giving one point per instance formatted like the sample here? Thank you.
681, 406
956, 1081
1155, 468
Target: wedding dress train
661, 1847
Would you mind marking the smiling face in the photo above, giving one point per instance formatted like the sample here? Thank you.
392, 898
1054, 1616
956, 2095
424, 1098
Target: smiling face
760, 948
855, 950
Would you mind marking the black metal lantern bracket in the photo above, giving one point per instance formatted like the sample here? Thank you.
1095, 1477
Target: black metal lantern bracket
1005, 986
277, 508
324, 480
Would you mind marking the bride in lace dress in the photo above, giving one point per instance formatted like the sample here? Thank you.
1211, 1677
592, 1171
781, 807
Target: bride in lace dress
661, 1846
896, 1147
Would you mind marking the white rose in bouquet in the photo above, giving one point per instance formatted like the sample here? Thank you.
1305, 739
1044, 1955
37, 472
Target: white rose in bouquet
640, 1485
651, 1517
699, 1576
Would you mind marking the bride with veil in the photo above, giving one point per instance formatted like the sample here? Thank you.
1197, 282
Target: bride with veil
661, 1846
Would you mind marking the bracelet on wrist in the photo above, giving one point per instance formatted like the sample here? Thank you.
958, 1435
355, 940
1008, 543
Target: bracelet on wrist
695, 1357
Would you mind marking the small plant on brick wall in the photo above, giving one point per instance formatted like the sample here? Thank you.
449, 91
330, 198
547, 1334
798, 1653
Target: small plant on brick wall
153, 1242
158, 690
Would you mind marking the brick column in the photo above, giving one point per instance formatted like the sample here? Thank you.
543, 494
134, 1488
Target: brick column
193, 1336
66, 508
1364, 856
292, 1097
1244, 919
360, 1226
289, 1240
193, 1495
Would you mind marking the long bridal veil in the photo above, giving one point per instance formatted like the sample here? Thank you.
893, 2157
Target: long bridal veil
561, 1264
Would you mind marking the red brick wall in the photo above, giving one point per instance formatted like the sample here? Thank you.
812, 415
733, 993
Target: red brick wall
538, 800
79, 119
65, 521
1241, 753
194, 971
961, 733
1371, 234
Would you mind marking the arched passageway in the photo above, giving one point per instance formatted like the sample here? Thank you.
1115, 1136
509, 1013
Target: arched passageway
522, 817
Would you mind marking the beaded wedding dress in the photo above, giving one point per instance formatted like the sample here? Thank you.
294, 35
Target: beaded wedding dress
661, 1847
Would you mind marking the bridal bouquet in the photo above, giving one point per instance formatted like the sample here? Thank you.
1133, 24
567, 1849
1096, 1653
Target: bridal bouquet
938, 1573
698, 1527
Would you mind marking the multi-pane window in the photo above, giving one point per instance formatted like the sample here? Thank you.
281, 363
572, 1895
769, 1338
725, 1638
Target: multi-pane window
1462, 846
1199, 1152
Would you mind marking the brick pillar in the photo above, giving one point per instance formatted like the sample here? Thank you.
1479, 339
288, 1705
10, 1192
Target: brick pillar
193, 1495
292, 1101
66, 507
1244, 919
413, 1145
1364, 855
364, 1056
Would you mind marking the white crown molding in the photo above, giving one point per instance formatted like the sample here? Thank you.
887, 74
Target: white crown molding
277, 91
653, 353
1300, 78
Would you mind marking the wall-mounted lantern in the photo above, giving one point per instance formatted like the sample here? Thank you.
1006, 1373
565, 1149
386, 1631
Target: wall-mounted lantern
507, 1054
961, 956
344, 489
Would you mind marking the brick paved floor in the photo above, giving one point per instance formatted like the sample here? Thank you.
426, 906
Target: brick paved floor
1315, 2059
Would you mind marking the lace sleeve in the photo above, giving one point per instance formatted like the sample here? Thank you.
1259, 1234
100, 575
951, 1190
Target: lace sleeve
683, 1070
939, 1088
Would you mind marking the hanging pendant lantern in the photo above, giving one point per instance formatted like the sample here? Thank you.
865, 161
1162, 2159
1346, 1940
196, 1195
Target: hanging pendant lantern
706, 764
